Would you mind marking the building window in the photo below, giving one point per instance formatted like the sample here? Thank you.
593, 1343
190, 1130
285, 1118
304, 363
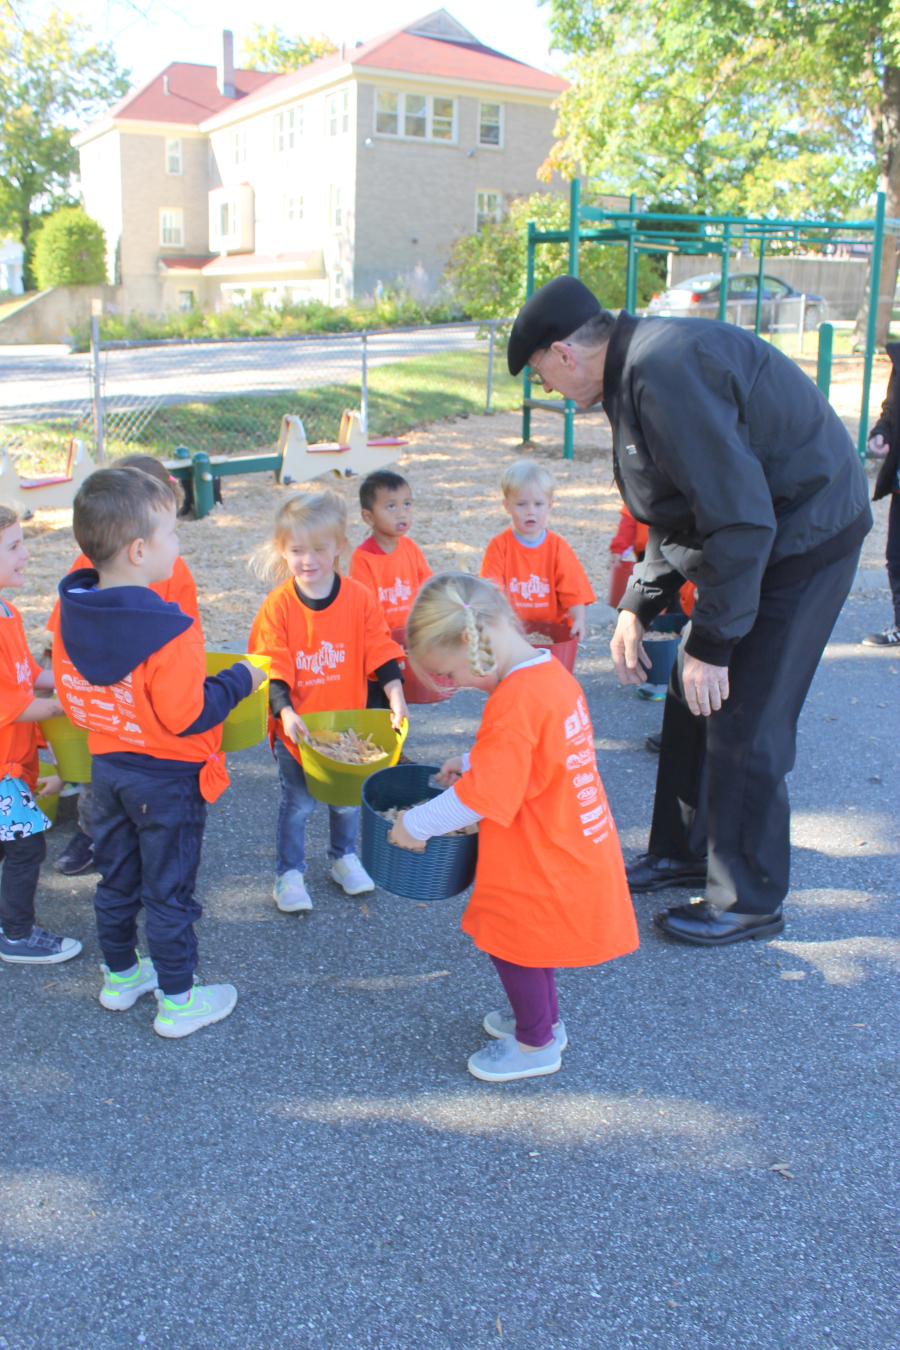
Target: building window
387, 117
171, 228
337, 113
279, 133
416, 120
337, 287
490, 125
224, 222
415, 116
293, 209
239, 147
173, 157
337, 210
488, 207
185, 301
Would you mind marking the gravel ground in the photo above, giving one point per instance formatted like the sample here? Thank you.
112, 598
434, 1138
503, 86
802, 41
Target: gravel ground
320, 1171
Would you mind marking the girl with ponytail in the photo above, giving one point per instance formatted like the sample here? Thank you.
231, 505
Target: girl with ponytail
550, 886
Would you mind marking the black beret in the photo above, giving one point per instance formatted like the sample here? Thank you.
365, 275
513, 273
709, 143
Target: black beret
551, 315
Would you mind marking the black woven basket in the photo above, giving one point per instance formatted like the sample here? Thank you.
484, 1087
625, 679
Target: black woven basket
447, 865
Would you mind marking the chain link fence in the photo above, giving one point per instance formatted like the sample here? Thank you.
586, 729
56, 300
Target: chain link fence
228, 396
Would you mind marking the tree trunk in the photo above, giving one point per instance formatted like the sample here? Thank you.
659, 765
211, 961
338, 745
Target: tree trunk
887, 145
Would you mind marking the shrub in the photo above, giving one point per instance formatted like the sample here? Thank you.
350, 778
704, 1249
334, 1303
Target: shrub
70, 250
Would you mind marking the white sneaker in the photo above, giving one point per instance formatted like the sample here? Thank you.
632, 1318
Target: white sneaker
501, 1061
124, 991
350, 873
504, 1024
290, 892
207, 1004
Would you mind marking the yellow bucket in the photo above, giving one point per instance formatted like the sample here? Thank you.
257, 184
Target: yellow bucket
70, 746
247, 724
47, 804
341, 784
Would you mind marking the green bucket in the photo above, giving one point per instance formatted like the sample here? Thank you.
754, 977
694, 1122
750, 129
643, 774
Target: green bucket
247, 724
341, 784
70, 747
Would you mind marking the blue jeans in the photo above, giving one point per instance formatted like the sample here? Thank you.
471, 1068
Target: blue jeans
297, 805
147, 831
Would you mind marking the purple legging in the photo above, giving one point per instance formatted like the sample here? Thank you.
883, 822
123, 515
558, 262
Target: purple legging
531, 991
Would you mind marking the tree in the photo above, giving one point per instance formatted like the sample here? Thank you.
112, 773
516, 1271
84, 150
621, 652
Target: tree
271, 49
788, 107
51, 77
70, 250
487, 270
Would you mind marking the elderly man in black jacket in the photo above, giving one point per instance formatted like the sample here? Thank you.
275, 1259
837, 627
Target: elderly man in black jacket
751, 489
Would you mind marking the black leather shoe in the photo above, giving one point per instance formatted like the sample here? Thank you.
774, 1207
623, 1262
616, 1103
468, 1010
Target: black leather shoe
705, 926
653, 742
649, 873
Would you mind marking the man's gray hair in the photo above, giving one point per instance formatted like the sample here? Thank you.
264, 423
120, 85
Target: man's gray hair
594, 333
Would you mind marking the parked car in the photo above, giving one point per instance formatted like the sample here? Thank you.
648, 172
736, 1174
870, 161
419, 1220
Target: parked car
698, 298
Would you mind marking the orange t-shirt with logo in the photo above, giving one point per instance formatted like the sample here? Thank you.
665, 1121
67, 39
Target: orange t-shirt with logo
540, 583
550, 886
180, 588
393, 578
144, 712
18, 672
325, 656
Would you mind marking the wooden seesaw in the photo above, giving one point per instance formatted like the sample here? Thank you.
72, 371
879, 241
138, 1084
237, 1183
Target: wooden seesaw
294, 460
53, 492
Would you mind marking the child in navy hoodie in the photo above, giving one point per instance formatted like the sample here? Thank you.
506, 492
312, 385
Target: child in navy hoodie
130, 667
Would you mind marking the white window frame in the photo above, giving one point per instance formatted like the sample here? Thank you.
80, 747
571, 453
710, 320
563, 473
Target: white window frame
238, 147
171, 218
337, 113
500, 124
174, 152
293, 208
186, 301
337, 287
482, 216
429, 137
338, 209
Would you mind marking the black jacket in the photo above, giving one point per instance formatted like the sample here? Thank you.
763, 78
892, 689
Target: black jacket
888, 426
744, 473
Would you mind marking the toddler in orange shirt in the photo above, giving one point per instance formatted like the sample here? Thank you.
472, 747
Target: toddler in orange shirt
550, 886
536, 569
389, 563
326, 636
180, 589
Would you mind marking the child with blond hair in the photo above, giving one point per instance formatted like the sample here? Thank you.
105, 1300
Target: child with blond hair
22, 822
550, 886
326, 636
536, 569
131, 668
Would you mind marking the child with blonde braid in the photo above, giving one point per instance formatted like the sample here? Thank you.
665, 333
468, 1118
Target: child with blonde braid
550, 886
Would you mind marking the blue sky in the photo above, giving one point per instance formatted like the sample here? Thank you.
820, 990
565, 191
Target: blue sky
148, 34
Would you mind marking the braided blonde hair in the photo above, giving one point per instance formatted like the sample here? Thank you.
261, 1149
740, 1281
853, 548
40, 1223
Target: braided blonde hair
317, 514
453, 608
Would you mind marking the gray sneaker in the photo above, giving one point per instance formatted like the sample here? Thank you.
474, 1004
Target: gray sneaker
290, 893
208, 1003
124, 991
504, 1024
39, 948
502, 1061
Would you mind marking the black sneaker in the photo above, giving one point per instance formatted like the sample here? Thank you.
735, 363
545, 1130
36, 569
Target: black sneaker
77, 856
890, 637
40, 948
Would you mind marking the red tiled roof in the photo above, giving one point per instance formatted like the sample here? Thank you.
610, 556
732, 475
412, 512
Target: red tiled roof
241, 262
193, 94
182, 264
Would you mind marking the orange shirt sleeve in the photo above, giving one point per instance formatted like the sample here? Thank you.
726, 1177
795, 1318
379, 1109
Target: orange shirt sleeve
180, 589
379, 645
361, 571
15, 695
174, 681
493, 565
423, 571
572, 585
500, 764
269, 637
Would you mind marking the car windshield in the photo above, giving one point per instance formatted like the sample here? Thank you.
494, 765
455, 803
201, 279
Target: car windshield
704, 283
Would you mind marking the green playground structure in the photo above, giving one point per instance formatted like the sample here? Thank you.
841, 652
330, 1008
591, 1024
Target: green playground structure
659, 232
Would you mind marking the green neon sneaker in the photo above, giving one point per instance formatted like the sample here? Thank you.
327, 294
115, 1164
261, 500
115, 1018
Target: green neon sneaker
208, 1003
123, 991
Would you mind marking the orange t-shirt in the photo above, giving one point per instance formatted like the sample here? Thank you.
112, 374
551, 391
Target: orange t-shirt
18, 672
550, 886
324, 656
393, 578
147, 709
540, 583
179, 588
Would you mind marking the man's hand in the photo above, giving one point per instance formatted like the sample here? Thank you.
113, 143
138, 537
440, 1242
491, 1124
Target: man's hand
399, 711
257, 674
705, 686
399, 835
626, 647
878, 446
294, 725
451, 771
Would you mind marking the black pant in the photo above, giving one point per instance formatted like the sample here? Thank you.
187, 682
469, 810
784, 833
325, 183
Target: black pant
21, 860
376, 697
720, 779
892, 553
147, 832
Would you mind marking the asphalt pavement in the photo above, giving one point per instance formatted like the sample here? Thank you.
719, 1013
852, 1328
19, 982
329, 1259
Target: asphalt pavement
320, 1170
